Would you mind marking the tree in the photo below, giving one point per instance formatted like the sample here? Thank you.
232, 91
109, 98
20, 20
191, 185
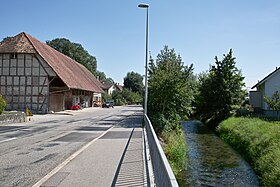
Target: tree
127, 96
171, 89
134, 82
220, 91
6, 38
274, 102
74, 51
100, 75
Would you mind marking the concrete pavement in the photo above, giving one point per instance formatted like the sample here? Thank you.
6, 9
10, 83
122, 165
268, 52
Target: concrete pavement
114, 158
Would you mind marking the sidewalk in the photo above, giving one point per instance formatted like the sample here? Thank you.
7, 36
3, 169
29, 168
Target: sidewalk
116, 158
43, 117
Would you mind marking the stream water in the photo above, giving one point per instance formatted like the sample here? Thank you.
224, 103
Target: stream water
212, 162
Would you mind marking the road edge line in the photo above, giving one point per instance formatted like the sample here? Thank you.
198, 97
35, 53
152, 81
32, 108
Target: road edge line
65, 162
7, 140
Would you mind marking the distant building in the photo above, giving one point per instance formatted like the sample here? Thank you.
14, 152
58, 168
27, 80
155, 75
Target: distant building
266, 87
119, 87
109, 87
38, 77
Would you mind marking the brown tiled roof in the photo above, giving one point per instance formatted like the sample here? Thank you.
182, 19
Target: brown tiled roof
17, 44
106, 84
72, 73
119, 87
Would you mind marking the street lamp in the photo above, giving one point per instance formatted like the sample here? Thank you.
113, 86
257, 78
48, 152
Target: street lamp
146, 6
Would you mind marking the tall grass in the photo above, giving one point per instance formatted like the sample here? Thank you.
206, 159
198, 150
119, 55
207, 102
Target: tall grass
259, 142
175, 149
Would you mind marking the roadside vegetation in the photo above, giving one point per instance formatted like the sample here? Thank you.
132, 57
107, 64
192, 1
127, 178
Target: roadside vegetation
259, 142
171, 89
127, 97
132, 92
2, 104
220, 91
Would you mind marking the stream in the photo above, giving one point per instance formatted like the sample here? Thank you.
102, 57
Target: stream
212, 162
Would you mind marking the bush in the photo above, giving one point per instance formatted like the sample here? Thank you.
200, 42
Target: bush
3, 104
174, 140
28, 112
175, 149
127, 97
259, 142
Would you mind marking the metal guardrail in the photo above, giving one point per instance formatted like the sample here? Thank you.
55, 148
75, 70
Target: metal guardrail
163, 174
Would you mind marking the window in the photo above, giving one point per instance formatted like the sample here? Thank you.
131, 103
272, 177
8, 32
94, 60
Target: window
13, 55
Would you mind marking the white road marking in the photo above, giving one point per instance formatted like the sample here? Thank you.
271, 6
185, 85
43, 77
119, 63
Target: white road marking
60, 166
10, 139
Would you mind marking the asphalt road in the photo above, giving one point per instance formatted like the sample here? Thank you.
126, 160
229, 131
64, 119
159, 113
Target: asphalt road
29, 151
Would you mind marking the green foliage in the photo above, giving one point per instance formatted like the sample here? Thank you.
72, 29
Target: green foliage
118, 98
100, 75
74, 51
162, 123
273, 101
3, 104
6, 38
106, 97
259, 142
171, 89
176, 150
220, 91
28, 112
127, 97
134, 82
171, 85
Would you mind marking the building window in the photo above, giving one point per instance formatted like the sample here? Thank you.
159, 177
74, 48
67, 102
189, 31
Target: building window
13, 55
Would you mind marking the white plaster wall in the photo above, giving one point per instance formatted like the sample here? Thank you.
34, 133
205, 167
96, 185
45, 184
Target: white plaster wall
111, 89
97, 97
271, 86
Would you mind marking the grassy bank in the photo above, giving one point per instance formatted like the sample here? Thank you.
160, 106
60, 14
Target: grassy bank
259, 142
175, 149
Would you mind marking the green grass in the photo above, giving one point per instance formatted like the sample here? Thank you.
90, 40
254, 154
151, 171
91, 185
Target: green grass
175, 149
259, 142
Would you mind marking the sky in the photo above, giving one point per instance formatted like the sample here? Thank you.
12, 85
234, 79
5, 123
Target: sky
114, 31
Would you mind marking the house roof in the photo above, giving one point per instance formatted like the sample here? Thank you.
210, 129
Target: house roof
106, 84
119, 87
266, 78
17, 44
72, 73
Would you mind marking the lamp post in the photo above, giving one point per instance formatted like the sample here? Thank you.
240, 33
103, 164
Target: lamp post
146, 6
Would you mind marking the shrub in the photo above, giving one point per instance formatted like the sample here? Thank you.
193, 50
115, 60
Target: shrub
175, 149
126, 97
3, 104
28, 112
259, 142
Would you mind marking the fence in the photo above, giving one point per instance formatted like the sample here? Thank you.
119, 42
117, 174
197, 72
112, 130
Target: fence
163, 174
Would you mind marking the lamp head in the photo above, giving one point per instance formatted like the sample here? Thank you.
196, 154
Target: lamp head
143, 6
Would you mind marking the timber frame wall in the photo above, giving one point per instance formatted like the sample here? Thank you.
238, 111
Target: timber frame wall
24, 81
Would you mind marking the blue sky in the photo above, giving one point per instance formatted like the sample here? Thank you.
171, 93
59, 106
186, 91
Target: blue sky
114, 31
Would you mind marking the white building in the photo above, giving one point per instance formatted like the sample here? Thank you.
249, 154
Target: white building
266, 87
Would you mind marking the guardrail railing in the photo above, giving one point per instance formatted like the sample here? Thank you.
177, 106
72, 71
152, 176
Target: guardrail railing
163, 174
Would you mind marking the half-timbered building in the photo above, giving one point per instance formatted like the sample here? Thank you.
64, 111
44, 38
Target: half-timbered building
38, 77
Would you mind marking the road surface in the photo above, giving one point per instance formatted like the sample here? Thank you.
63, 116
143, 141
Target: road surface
29, 151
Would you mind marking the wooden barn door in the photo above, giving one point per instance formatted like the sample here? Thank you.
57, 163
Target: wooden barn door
56, 102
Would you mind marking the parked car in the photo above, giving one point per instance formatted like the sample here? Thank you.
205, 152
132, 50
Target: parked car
108, 104
76, 107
